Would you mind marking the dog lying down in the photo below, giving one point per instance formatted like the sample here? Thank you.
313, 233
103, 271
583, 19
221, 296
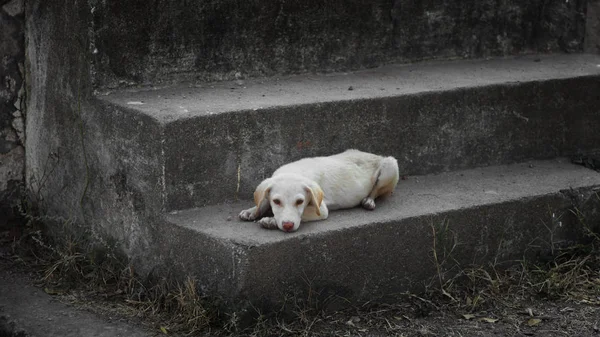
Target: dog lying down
306, 190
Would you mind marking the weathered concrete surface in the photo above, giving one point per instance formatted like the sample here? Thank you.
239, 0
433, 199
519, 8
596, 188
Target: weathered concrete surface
93, 165
144, 42
12, 58
57, 77
185, 101
113, 169
433, 117
501, 212
26, 311
592, 27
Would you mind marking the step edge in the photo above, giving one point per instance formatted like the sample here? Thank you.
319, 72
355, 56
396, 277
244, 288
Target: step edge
591, 186
169, 117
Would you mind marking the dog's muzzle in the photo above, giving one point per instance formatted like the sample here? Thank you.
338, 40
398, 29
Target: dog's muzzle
287, 226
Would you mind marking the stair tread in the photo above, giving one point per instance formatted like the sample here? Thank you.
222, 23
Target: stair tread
414, 197
192, 100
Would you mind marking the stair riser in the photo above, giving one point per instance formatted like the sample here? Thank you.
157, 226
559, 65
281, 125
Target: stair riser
427, 133
217, 266
381, 259
138, 42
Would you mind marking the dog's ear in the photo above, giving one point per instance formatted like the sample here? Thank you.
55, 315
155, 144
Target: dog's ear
316, 196
261, 195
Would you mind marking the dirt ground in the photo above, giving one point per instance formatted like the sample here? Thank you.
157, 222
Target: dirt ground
413, 316
560, 298
530, 318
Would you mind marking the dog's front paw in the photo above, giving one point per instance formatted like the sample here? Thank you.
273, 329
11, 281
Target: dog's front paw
368, 203
248, 214
268, 223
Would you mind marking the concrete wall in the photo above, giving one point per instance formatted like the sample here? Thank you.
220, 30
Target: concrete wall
12, 58
592, 27
89, 163
82, 161
152, 41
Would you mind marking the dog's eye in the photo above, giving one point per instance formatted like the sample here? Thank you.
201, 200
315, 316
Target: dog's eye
277, 202
299, 202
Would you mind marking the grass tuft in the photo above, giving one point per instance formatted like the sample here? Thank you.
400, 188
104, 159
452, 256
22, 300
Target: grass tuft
93, 272
90, 270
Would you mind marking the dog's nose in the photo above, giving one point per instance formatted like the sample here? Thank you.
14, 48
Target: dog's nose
287, 225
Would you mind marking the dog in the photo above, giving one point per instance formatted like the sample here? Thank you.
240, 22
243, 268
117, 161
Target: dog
307, 189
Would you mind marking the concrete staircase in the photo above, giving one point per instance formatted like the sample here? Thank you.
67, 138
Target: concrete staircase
220, 140
472, 217
481, 141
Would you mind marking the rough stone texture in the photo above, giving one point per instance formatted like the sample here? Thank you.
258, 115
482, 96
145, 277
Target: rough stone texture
26, 311
114, 168
57, 83
142, 41
492, 213
12, 58
88, 163
13, 7
592, 27
432, 117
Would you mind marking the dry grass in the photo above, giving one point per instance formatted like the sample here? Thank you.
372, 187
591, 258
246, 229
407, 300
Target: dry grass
570, 273
92, 273
470, 295
95, 275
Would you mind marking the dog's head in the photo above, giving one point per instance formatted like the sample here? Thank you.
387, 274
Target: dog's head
289, 196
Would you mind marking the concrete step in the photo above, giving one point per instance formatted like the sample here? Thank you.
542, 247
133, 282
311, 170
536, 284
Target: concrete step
498, 213
193, 145
199, 40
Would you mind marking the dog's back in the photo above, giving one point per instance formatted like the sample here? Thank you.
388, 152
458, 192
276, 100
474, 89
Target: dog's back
346, 178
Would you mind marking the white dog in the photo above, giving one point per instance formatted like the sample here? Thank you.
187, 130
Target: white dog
307, 189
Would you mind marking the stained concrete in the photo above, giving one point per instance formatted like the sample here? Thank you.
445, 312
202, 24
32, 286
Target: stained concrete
97, 168
58, 86
12, 107
185, 101
221, 140
416, 196
27, 311
592, 27
136, 42
501, 212
114, 169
